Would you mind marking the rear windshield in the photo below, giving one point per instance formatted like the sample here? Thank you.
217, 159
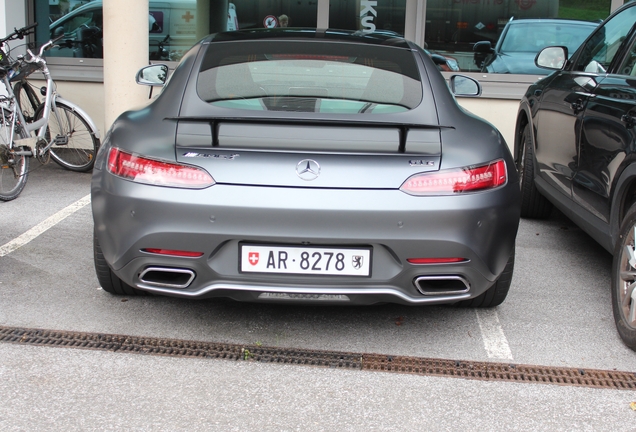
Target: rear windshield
310, 76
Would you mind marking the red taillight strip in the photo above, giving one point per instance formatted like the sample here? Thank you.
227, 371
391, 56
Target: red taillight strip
448, 182
178, 253
150, 171
436, 260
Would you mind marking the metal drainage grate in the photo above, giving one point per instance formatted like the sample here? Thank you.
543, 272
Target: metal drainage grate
594, 378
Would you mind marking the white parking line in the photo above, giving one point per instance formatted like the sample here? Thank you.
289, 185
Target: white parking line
495, 341
43, 226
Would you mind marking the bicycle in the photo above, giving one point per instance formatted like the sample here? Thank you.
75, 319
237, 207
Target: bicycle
59, 129
25, 94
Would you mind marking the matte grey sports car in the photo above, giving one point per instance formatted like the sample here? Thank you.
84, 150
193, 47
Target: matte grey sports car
310, 166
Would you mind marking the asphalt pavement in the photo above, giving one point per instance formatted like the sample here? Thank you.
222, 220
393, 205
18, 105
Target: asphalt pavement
558, 313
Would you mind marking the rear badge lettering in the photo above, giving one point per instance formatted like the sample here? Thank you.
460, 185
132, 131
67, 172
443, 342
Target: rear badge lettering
211, 156
421, 162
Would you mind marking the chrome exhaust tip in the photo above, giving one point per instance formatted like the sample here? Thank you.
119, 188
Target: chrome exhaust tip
166, 277
441, 285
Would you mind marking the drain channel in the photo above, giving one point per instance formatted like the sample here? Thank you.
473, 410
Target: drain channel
485, 371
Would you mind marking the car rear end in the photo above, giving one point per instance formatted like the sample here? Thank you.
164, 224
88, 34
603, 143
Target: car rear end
308, 170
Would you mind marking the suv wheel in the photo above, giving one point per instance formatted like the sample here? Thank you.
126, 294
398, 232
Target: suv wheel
624, 280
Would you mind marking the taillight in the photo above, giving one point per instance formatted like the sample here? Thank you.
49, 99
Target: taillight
154, 172
454, 181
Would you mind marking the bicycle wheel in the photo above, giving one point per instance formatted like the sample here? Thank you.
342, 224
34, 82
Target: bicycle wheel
75, 144
27, 98
14, 168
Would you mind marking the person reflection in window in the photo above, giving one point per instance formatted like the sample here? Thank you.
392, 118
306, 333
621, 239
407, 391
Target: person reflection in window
283, 20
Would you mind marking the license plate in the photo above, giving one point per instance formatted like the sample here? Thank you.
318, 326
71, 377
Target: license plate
306, 260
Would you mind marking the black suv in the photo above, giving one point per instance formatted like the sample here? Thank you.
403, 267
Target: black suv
575, 148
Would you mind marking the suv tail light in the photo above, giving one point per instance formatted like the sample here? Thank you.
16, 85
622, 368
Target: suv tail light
149, 171
454, 181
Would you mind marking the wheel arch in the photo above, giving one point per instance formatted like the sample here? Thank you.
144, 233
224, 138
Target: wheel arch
523, 119
622, 200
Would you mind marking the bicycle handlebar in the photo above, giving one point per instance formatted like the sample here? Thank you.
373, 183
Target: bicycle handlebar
19, 33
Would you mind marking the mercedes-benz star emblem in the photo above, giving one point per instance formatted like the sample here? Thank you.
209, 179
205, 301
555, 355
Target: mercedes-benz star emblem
308, 169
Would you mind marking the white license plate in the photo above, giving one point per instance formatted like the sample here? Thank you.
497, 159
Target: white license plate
306, 260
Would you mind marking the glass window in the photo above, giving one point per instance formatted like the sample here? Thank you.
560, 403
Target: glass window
276, 13
173, 25
599, 51
629, 63
481, 37
310, 77
368, 15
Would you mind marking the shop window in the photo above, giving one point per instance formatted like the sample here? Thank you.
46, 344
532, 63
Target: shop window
173, 25
497, 36
368, 15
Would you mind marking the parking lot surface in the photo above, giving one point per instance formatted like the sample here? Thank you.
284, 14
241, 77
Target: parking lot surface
558, 313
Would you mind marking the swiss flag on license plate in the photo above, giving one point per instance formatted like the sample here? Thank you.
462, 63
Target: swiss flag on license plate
253, 258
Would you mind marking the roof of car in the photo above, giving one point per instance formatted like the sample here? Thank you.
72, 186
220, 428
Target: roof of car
332, 35
552, 21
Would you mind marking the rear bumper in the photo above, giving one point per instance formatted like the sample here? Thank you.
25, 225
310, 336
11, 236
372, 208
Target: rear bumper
479, 227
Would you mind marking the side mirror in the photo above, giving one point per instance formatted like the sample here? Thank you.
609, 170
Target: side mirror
465, 86
553, 57
153, 75
481, 50
484, 47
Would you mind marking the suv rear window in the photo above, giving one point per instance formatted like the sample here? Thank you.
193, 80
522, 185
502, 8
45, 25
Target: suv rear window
308, 76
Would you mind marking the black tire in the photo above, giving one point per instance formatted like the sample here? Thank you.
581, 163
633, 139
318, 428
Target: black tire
496, 294
14, 169
533, 204
624, 280
78, 145
28, 100
107, 279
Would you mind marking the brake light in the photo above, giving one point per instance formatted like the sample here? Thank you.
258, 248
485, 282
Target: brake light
154, 172
448, 182
319, 57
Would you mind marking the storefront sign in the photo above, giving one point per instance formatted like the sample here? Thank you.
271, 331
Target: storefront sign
367, 13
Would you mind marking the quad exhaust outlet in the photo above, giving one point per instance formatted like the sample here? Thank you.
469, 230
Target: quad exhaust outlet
166, 277
441, 285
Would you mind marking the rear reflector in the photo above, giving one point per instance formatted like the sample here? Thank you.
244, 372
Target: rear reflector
179, 253
149, 171
448, 182
436, 260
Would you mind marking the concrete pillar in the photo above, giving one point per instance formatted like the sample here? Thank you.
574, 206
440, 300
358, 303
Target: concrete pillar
125, 52
415, 21
12, 15
211, 17
322, 20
